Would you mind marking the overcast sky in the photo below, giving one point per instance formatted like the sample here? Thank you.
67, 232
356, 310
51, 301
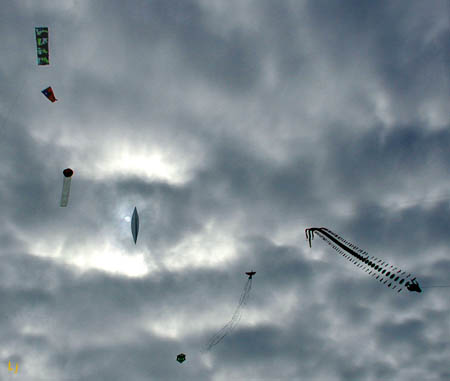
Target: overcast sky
232, 125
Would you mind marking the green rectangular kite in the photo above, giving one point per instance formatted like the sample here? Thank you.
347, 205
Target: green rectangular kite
42, 45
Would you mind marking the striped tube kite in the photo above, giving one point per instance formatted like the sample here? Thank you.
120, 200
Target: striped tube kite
66, 187
381, 270
42, 45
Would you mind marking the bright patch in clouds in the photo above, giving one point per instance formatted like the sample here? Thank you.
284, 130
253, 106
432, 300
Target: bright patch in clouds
103, 257
113, 260
142, 162
207, 249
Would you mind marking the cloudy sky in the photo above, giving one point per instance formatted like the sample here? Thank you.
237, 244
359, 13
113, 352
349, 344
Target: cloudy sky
232, 125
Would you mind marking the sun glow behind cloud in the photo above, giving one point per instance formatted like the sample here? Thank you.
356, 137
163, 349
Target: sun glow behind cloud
114, 260
151, 163
101, 160
96, 255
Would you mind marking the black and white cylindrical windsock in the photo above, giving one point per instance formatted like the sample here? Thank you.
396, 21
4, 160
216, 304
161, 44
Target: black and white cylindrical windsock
66, 187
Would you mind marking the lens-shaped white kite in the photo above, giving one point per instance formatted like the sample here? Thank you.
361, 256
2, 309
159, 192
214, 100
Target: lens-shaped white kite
135, 225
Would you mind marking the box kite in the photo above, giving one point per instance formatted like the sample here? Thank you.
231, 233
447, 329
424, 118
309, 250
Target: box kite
181, 357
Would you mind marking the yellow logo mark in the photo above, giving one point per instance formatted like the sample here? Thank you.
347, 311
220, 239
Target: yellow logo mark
11, 369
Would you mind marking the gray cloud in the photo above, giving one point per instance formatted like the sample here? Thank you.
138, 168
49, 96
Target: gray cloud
231, 126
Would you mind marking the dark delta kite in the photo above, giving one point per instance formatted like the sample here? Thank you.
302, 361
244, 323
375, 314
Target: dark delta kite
48, 92
42, 45
66, 187
385, 273
250, 274
135, 225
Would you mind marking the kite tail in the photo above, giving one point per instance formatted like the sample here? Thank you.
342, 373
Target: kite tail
309, 235
228, 328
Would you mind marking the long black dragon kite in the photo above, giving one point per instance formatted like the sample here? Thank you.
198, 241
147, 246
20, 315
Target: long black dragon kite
385, 273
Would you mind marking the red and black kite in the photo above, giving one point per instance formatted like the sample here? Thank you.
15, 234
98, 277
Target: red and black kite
48, 92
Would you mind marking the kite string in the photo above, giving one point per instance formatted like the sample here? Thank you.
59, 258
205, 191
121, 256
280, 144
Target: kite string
448, 285
228, 328
230, 325
13, 104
